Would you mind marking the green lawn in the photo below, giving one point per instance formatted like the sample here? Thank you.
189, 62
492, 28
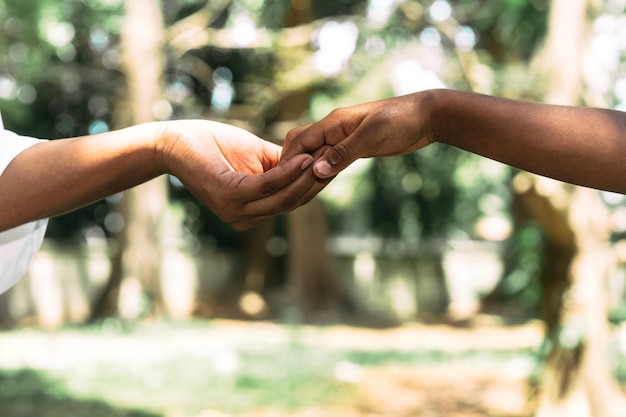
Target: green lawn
183, 370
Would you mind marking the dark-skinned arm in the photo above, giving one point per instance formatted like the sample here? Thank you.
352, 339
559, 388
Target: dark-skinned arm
583, 146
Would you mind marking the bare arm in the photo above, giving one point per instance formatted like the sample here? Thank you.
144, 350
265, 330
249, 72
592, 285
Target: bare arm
583, 146
579, 145
232, 171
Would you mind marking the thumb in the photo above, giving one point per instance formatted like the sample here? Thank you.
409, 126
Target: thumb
333, 161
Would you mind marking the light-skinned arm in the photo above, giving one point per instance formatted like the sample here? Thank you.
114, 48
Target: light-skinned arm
232, 171
583, 146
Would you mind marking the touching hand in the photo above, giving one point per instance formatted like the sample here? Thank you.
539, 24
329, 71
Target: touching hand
380, 128
235, 173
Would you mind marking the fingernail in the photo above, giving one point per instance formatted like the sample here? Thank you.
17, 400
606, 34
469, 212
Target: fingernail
306, 163
323, 167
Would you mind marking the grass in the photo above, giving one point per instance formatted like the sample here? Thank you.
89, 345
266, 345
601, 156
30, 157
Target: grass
181, 370
30, 393
289, 378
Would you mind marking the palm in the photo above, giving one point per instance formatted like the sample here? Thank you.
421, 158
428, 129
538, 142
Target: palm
244, 152
235, 173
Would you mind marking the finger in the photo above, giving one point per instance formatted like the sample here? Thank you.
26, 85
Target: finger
336, 158
255, 197
287, 198
281, 202
319, 185
281, 207
346, 146
304, 139
259, 186
290, 137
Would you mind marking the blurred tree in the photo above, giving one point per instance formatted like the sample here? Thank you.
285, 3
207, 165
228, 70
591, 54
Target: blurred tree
267, 80
136, 268
268, 66
312, 278
578, 259
58, 71
264, 64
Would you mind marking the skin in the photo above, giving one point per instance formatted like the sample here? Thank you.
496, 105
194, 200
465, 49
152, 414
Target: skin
244, 179
583, 146
232, 171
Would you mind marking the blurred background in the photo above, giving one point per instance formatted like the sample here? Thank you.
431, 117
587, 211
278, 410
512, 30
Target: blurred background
436, 283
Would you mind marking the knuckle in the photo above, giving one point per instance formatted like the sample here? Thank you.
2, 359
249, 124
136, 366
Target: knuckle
306, 199
336, 113
341, 153
290, 202
285, 205
291, 135
270, 189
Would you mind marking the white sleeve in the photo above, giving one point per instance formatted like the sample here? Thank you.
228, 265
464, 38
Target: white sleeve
18, 245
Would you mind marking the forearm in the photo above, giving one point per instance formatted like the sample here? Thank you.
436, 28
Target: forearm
584, 146
58, 176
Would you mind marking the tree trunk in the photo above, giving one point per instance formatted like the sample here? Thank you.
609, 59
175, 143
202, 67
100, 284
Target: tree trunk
137, 262
576, 380
312, 280
313, 283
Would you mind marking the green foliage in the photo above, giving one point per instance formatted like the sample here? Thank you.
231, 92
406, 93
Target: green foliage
323, 9
438, 191
59, 78
414, 195
27, 393
520, 285
510, 29
59, 60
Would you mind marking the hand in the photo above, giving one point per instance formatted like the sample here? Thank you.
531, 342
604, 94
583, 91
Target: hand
380, 128
235, 173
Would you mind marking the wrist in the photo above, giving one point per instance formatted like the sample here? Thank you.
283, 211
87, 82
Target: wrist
435, 105
165, 138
